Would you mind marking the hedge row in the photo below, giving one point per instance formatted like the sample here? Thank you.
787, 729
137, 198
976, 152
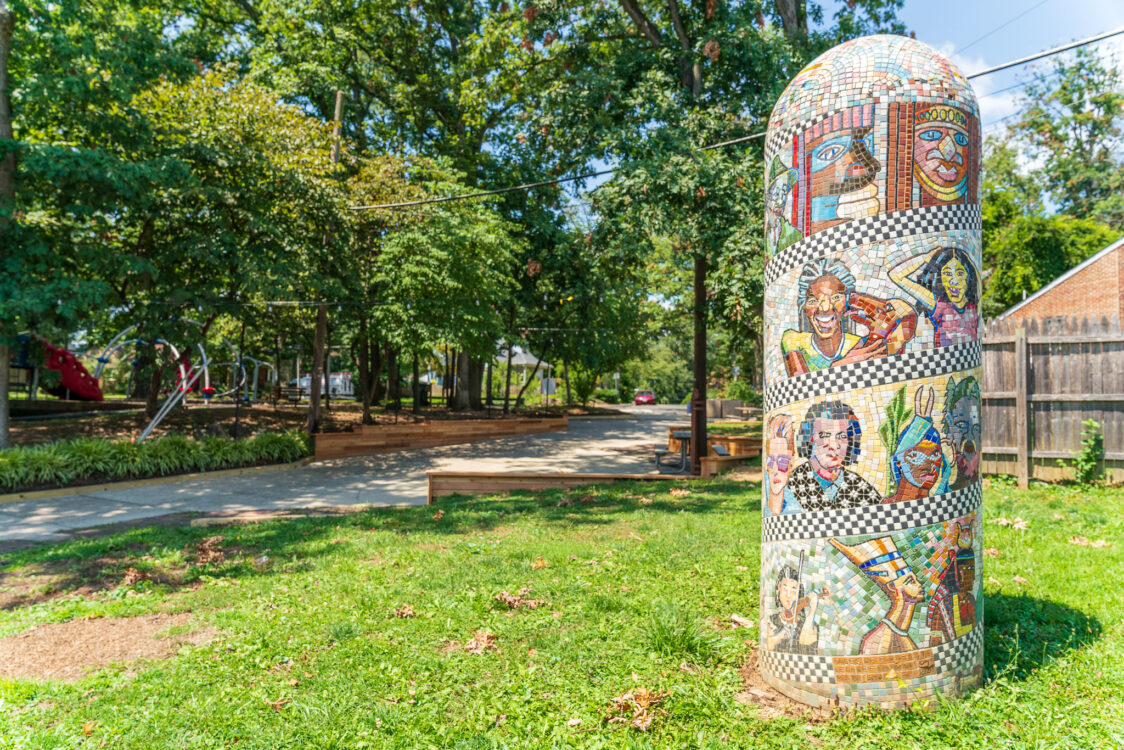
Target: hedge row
96, 459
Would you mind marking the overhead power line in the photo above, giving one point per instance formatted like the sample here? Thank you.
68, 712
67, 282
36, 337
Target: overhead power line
743, 139
1001, 26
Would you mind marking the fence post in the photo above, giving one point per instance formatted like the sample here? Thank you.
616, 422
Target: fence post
1022, 426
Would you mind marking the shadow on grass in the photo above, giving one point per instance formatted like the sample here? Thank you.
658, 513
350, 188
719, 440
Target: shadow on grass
1022, 634
99, 559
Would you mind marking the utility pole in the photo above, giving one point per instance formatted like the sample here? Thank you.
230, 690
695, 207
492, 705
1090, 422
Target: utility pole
322, 308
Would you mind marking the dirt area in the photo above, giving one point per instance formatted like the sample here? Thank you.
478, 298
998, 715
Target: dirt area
769, 702
198, 418
66, 651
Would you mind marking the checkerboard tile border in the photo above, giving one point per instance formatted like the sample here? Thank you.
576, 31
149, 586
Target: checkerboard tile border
962, 653
913, 221
873, 372
872, 519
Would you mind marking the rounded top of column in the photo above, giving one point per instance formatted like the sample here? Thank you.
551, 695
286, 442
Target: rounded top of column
872, 70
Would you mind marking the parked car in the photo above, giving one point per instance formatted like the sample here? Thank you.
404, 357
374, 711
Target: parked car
644, 397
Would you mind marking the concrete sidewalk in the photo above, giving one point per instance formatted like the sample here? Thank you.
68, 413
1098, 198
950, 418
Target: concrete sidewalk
618, 445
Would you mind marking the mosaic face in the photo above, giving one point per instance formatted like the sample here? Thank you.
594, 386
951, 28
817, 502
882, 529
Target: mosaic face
940, 151
870, 577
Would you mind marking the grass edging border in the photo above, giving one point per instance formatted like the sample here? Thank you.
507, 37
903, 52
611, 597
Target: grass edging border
14, 497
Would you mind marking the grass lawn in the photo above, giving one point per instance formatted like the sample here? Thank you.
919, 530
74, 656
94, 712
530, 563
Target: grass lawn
639, 585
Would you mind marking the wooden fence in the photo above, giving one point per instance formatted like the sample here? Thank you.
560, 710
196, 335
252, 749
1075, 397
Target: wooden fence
1041, 381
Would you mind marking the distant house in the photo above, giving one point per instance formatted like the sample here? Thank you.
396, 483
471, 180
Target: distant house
1095, 288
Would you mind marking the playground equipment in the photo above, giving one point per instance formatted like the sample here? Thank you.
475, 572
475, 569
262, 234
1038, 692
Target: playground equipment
76, 382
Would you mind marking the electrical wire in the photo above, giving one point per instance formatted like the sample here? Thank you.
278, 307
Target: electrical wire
1000, 26
743, 139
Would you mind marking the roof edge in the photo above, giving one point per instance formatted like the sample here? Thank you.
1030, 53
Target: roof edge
1071, 272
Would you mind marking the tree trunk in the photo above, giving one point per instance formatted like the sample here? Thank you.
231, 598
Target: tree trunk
475, 383
7, 196
417, 385
794, 19
461, 400
446, 378
507, 381
519, 398
392, 379
152, 399
698, 397
378, 387
566, 377
315, 386
362, 351
5, 419
488, 386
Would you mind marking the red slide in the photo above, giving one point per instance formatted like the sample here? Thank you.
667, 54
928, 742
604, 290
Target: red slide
82, 386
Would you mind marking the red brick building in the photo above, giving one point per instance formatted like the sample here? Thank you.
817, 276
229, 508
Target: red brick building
1094, 288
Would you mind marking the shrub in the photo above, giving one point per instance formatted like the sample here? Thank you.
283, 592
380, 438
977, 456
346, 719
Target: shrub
1087, 463
607, 395
90, 459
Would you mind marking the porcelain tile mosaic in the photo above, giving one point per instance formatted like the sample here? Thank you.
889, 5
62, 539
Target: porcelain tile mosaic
871, 536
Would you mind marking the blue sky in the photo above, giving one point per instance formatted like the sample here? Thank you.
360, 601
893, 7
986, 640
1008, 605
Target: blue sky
952, 25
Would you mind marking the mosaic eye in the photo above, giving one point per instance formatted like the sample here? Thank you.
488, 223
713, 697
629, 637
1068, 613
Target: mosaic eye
930, 135
961, 139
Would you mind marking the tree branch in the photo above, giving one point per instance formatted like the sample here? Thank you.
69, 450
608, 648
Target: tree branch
646, 27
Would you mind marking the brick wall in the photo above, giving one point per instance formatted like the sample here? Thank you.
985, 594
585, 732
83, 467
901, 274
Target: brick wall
1095, 290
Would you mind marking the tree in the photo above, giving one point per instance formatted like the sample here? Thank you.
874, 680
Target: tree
1035, 250
1072, 121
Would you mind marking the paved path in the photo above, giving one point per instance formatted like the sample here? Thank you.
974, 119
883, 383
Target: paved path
618, 445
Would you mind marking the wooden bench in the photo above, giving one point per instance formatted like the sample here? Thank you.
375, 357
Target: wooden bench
490, 483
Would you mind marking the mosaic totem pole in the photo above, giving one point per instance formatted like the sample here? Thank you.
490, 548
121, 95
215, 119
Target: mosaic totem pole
870, 570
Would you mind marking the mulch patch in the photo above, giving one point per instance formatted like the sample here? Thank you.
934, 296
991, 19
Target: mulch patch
342, 417
67, 651
772, 704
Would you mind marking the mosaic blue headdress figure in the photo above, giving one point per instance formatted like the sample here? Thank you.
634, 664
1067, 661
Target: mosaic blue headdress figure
918, 463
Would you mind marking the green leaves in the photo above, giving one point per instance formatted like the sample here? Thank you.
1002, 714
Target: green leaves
89, 459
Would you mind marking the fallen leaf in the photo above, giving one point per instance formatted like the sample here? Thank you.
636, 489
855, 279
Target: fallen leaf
293, 682
564, 503
539, 563
88, 728
514, 601
741, 622
993, 581
556, 615
991, 552
1081, 541
679, 492
636, 708
645, 500
531, 652
438, 515
450, 647
573, 722
587, 499
1058, 517
1021, 581
133, 577
481, 642
740, 567
278, 704
209, 551
1020, 525
685, 667
405, 611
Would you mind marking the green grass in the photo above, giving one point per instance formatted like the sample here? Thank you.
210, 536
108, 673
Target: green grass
634, 593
